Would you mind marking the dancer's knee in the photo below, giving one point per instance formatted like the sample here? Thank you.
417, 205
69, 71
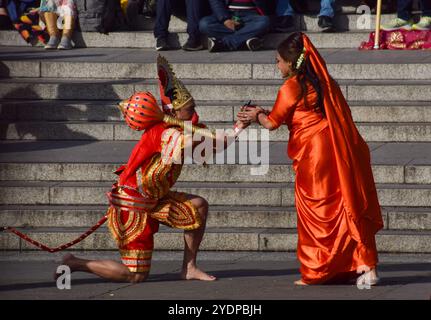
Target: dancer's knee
202, 207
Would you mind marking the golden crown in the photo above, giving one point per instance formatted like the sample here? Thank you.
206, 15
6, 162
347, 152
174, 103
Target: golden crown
181, 96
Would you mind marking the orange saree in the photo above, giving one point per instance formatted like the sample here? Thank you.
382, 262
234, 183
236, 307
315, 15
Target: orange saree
335, 195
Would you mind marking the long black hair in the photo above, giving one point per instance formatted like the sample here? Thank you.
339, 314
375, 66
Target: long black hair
290, 50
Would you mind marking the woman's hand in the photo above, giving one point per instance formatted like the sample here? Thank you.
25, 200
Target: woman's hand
249, 114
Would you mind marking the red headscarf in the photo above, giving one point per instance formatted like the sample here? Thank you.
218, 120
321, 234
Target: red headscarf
351, 152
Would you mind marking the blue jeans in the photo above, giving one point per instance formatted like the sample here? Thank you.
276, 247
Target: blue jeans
255, 25
404, 8
164, 12
285, 9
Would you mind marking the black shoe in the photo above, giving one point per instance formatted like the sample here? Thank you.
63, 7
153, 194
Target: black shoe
254, 44
299, 6
5, 23
162, 44
216, 45
193, 44
284, 24
326, 24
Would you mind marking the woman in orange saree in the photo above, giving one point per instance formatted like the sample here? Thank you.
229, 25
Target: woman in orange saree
335, 195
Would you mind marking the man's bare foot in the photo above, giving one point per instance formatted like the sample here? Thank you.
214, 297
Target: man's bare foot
68, 261
196, 274
300, 283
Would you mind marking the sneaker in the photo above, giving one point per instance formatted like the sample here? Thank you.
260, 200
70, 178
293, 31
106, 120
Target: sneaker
254, 44
193, 44
162, 44
396, 24
65, 44
284, 24
215, 45
52, 43
326, 24
424, 24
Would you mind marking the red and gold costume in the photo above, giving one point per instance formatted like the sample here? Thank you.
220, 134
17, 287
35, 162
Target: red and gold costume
335, 195
141, 199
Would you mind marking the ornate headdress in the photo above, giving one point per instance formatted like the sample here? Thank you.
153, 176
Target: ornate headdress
173, 93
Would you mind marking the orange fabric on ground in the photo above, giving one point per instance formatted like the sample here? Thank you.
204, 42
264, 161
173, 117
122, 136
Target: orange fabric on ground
335, 195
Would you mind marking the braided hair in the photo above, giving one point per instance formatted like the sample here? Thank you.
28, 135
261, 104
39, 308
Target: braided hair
292, 50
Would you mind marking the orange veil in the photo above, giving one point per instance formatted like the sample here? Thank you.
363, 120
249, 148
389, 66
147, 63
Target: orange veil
351, 153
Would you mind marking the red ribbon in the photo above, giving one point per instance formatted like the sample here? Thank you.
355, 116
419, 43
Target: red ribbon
63, 246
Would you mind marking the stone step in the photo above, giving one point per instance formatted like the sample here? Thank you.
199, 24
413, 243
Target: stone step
96, 160
214, 111
401, 218
410, 174
226, 239
22, 151
252, 194
140, 64
71, 130
208, 90
196, 173
145, 39
347, 18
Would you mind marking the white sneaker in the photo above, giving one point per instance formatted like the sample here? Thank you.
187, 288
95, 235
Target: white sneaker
396, 24
424, 24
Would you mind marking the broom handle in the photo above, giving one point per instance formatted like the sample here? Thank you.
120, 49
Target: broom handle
378, 16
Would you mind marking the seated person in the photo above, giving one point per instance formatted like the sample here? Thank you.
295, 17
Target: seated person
404, 18
285, 13
163, 15
235, 24
51, 11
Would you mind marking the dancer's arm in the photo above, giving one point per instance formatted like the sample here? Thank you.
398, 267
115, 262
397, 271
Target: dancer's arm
287, 99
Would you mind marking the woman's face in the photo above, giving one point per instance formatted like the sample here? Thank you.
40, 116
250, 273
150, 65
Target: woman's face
284, 66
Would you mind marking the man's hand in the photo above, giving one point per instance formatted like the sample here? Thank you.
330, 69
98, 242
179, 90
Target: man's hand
242, 124
230, 24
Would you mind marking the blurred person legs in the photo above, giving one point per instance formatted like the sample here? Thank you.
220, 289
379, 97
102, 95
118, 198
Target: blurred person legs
404, 19
163, 17
326, 16
52, 10
284, 21
424, 23
194, 14
53, 31
66, 39
5, 22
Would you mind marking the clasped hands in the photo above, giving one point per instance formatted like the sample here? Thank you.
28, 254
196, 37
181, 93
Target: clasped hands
249, 114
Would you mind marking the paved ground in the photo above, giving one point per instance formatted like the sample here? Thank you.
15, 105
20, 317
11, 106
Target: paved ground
242, 276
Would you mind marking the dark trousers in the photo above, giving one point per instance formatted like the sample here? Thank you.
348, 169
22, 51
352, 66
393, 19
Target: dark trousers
404, 8
254, 26
164, 12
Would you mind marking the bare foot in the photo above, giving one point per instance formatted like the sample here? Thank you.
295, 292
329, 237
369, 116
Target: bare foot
196, 274
369, 278
300, 283
68, 261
